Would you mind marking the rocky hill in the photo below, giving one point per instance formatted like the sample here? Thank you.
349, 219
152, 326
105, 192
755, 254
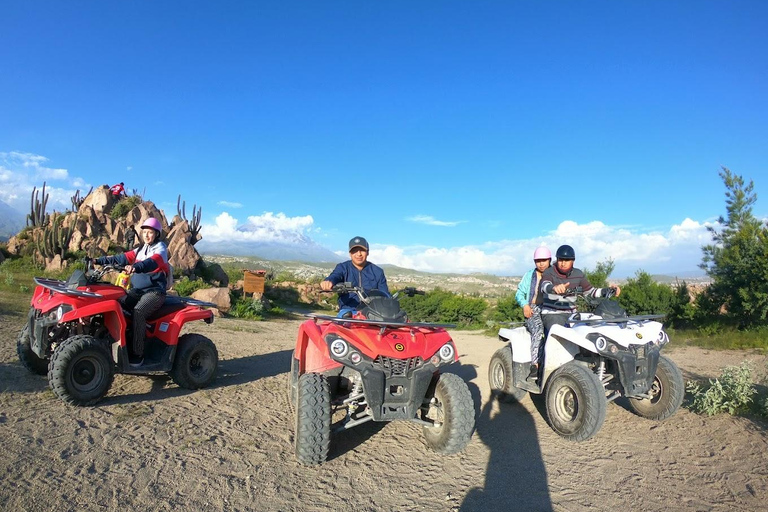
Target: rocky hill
92, 228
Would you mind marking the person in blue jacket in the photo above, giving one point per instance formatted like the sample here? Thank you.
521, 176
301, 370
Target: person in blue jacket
530, 300
358, 271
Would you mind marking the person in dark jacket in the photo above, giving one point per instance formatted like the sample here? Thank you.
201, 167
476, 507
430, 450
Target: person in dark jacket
358, 271
148, 268
556, 308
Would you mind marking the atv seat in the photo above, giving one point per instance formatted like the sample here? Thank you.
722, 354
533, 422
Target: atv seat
171, 304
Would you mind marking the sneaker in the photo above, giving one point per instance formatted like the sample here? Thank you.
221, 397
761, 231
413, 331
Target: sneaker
534, 373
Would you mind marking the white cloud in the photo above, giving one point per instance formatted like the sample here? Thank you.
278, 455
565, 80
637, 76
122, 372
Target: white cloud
230, 204
676, 250
266, 227
431, 221
21, 172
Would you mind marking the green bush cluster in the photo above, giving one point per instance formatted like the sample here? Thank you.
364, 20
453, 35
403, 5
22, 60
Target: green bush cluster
445, 307
251, 309
186, 287
123, 206
732, 392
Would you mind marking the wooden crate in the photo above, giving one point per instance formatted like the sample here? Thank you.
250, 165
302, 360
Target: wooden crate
253, 281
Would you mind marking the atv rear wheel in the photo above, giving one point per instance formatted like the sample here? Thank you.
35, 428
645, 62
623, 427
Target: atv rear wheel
500, 377
667, 393
27, 357
81, 370
576, 403
451, 407
313, 419
196, 362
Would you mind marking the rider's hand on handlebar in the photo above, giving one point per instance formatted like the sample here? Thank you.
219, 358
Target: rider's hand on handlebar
560, 288
326, 286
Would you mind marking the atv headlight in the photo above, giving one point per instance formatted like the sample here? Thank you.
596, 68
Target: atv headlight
447, 352
603, 345
60, 311
339, 347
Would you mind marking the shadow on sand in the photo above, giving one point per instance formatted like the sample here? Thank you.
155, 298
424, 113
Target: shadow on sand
516, 478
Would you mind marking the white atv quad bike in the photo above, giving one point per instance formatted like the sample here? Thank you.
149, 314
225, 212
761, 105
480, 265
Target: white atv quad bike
597, 358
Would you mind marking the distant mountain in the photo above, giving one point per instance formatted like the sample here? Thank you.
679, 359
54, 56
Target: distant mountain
11, 221
273, 244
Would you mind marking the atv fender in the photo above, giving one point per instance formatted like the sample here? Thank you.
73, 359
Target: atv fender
312, 351
113, 317
559, 349
520, 340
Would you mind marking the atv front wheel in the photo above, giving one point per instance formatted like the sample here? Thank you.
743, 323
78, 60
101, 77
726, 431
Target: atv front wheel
576, 403
452, 410
667, 393
196, 362
27, 357
81, 370
313, 419
501, 379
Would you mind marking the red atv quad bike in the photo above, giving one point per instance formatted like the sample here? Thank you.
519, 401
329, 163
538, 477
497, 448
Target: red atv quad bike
77, 332
376, 366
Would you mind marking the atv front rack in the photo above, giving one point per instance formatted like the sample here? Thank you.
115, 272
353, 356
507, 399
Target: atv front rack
61, 287
379, 323
639, 319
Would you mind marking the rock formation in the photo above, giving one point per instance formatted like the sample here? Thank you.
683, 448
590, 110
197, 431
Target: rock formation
91, 229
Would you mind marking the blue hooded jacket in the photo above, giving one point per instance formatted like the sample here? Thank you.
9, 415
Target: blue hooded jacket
370, 277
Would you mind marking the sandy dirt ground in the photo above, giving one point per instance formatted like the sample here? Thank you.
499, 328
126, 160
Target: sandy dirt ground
150, 445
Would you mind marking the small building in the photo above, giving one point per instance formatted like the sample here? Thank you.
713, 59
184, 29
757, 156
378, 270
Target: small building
253, 281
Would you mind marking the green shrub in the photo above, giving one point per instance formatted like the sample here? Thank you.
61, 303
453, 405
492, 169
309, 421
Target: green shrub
442, 306
123, 206
252, 309
186, 287
731, 393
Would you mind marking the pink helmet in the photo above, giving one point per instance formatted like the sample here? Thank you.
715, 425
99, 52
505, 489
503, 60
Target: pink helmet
152, 223
542, 253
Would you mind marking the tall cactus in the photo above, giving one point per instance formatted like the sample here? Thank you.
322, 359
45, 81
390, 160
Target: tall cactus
53, 239
77, 200
194, 224
37, 216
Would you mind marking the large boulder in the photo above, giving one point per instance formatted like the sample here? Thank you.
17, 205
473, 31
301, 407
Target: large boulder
100, 201
218, 296
216, 274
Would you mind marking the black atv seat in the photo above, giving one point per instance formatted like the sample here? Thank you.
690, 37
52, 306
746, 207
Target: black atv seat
171, 304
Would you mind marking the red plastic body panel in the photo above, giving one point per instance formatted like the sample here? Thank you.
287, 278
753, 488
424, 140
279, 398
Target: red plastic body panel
400, 343
166, 328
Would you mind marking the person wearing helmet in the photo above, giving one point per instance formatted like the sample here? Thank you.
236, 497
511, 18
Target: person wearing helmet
555, 307
358, 271
148, 268
529, 298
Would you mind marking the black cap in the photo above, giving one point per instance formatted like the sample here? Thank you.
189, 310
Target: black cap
358, 241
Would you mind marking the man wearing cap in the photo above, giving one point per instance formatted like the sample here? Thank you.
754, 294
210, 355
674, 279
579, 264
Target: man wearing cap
358, 271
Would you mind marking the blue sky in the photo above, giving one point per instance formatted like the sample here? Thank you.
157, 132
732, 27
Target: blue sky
455, 136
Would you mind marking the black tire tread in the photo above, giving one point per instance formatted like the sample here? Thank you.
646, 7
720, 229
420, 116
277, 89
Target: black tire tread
670, 401
29, 359
63, 355
508, 393
593, 402
188, 344
459, 416
313, 419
